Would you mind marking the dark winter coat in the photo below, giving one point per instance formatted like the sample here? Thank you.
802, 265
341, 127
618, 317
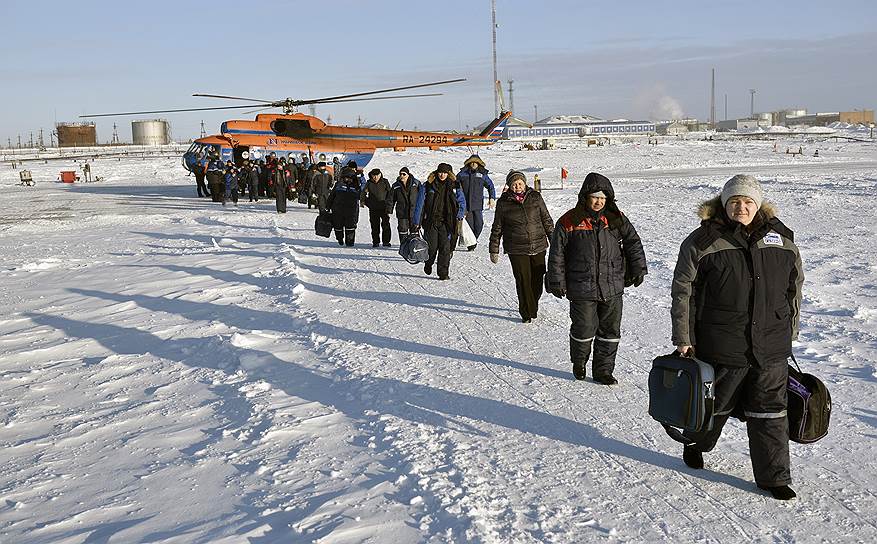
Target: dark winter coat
378, 195
405, 198
592, 253
473, 184
321, 187
428, 204
344, 198
524, 227
736, 297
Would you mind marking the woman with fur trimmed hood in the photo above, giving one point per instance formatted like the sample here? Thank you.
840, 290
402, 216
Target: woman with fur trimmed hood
595, 253
524, 225
440, 210
736, 299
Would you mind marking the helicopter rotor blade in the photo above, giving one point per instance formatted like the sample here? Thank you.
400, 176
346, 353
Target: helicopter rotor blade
231, 97
269, 105
328, 98
255, 111
373, 98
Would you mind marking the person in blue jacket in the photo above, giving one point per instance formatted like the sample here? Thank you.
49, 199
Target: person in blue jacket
473, 179
231, 184
440, 209
344, 203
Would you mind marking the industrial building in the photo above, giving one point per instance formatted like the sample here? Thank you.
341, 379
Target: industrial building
150, 132
577, 126
76, 134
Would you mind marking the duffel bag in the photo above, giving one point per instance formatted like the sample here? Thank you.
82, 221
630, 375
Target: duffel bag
681, 395
323, 224
809, 408
302, 197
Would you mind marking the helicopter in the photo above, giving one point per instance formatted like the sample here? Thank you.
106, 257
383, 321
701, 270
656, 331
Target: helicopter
309, 139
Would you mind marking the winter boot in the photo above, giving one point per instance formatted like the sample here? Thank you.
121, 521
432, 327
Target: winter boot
578, 370
692, 457
780, 492
608, 379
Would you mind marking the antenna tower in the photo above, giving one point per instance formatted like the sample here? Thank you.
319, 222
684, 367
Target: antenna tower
713, 100
493, 30
203, 132
115, 134
511, 95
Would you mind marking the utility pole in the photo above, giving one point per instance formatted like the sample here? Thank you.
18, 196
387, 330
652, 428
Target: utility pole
40, 141
752, 103
203, 132
31, 140
511, 95
726, 106
713, 100
535, 113
115, 134
495, 79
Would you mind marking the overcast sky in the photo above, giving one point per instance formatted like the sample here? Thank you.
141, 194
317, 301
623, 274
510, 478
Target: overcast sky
630, 59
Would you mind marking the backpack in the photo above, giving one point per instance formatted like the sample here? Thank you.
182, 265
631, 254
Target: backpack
809, 408
681, 394
415, 250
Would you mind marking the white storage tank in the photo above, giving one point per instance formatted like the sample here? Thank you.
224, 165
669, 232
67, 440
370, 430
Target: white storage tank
150, 132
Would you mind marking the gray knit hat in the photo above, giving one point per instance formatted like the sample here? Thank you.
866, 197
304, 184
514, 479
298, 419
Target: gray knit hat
742, 185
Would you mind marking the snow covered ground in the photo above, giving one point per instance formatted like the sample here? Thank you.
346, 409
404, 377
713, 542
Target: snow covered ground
175, 371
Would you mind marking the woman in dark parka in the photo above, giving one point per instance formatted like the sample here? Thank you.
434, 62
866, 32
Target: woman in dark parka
524, 225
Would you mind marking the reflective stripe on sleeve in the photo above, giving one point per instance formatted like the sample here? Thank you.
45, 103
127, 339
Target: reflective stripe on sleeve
765, 415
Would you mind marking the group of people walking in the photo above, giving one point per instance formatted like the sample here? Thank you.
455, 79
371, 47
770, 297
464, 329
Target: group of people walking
736, 289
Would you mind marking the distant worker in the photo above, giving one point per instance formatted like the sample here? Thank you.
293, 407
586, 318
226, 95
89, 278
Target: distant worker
473, 179
253, 182
344, 203
440, 208
537, 183
405, 192
278, 185
320, 188
377, 196
215, 180
86, 171
336, 168
231, 184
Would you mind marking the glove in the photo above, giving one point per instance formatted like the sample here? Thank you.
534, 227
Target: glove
362, 204
494, 258
636, 281
491, 203
558, 292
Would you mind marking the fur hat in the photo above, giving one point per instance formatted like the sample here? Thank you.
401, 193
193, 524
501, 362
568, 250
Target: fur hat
352, 164
405, 170
375, 172
476, 159
321, 164
513, 175
445, 167
742, 185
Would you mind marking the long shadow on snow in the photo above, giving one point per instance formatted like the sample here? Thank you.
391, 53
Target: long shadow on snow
247, 319
412, 402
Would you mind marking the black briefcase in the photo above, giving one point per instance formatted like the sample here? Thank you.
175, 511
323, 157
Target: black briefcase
681, 394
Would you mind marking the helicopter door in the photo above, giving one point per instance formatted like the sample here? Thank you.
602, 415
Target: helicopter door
240, 154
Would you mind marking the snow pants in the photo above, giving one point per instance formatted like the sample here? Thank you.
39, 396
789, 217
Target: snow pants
761, 393
529, 271
475, 219
597, 322
380, 223
404, 227
344, 225
217, 186
439, 241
